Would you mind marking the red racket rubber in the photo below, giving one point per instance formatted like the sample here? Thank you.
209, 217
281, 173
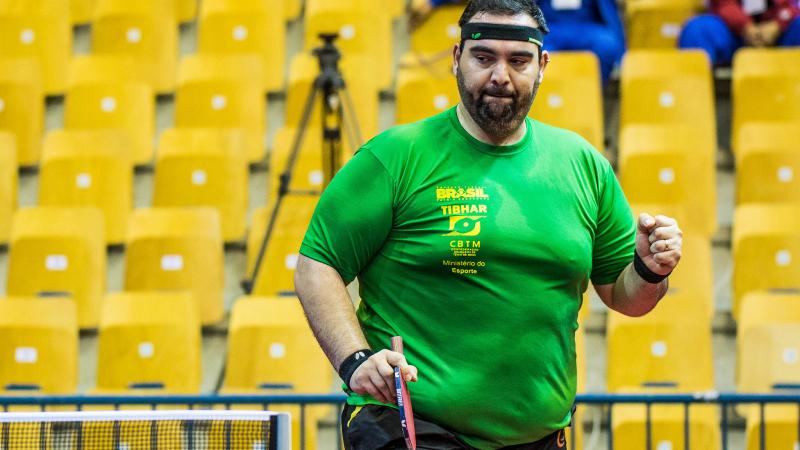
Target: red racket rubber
404, 400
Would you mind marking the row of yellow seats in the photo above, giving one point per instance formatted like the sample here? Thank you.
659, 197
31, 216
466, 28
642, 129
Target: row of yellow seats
194, 167
108, 92
61, 251
152, 340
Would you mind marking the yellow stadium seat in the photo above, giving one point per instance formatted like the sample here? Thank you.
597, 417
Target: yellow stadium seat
362, 91
186, 10
766, 249
682, 95
292, 9
276, 276
22, 106
204, 167
768, 163
571, 96
653, 351
780, 424
766, 86
424, 90
126, 106
8, 183
178, 249
767, 344
251, 27
657, 23
60, 251
39, 345
270, 346
364, 28
89, 168
106, 68
667, 421
81, 11
38, 29
145, 30
223, 91
666, 165
149, 340
439, 32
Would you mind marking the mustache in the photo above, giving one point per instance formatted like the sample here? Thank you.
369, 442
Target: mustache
497, 92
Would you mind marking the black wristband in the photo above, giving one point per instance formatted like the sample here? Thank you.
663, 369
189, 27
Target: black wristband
644, 272
348, 367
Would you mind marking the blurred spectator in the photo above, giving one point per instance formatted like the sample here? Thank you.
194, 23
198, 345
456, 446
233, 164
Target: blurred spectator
592, 25
733, 24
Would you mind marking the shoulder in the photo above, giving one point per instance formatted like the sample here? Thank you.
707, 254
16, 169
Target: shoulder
400, 142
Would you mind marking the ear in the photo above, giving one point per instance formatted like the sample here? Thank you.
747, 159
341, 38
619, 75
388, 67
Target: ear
544, 60
456, 57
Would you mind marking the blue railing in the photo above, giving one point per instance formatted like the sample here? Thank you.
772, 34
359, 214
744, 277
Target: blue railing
724, 400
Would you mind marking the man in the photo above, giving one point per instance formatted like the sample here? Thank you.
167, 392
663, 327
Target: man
474, 234
733, 24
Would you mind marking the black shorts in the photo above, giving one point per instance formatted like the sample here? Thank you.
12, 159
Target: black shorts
375, 427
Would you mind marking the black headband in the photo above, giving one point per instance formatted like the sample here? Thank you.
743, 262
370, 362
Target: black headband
504, 32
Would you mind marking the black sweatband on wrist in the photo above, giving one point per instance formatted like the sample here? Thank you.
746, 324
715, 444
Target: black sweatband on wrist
479, 30
644, 272
348, 367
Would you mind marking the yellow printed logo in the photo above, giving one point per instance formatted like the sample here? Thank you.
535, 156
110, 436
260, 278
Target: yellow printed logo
465, 226
460, 193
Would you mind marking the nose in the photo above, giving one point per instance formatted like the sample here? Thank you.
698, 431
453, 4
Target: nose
500, 76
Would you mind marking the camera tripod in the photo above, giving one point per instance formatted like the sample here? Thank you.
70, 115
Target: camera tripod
337, 114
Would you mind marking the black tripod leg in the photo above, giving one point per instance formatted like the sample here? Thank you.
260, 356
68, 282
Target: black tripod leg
285, 179
351, 120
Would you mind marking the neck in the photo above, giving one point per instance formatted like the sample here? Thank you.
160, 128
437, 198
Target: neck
480, 134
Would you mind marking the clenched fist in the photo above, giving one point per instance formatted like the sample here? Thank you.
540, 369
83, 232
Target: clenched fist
659, 242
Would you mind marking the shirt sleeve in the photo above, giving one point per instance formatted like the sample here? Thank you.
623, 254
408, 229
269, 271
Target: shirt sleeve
353, 216
614, 242
732, 14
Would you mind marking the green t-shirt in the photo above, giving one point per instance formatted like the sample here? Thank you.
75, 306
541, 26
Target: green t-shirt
478, 257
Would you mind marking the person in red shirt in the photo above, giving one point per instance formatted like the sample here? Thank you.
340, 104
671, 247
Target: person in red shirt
733, 24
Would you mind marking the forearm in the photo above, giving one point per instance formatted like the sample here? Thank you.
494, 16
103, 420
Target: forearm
633, 296
329, 310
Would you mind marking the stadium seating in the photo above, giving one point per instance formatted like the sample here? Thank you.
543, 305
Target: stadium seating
651, 351
424, 89
439, 32
144, 29
766, 87
365, 29
107, 68
766, 249
292, 9
768, 163
126, 106
186, 10
665, 165
270, 346
149, 341
178, 249
81, 11
247, 27
89, 168
682, 95
571, 96
22, 106
38, 29
276, 276
223, 91
38, 345
629, 422
61, 252
780, 427
204, 167
657, 23
8, 183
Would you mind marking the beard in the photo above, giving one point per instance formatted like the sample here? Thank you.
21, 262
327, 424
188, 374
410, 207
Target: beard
497, 118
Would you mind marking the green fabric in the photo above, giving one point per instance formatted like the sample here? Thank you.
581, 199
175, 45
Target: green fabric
478, 257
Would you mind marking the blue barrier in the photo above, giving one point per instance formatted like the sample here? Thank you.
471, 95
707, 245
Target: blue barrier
724, 400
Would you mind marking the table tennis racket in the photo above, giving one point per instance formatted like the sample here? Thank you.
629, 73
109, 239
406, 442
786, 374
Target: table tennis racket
404, 400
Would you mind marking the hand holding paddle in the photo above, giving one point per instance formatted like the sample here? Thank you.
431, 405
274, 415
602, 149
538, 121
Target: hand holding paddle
375, 377
404, 400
